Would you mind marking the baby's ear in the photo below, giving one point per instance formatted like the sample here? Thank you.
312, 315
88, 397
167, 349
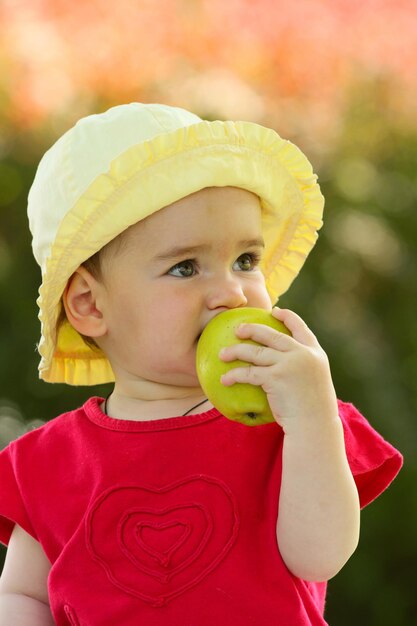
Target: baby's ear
81, 301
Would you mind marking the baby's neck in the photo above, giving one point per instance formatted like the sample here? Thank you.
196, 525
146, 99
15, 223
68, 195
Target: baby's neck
155, 402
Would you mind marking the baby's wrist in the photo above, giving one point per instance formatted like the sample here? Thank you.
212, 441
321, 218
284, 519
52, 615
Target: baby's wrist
312, 425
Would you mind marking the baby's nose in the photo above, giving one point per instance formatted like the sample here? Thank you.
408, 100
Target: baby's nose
227, 292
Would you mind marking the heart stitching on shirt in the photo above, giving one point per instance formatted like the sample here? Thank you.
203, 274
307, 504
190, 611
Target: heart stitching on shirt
157, 542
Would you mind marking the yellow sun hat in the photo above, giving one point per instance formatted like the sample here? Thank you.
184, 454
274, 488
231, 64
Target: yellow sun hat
113, 169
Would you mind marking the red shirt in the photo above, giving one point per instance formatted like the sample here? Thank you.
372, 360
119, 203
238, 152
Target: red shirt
171, 521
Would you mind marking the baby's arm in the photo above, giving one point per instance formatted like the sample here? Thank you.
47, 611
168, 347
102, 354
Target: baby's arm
318, 519
23, 583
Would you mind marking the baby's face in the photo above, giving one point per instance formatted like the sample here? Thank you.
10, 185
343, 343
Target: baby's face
178, 269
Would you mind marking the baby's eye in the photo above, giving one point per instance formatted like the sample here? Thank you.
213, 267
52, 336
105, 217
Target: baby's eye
184, 269
248, 261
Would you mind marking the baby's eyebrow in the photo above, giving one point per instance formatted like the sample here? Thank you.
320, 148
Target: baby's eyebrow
182, 251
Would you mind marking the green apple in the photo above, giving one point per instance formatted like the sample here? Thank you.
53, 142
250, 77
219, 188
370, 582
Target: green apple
241, 402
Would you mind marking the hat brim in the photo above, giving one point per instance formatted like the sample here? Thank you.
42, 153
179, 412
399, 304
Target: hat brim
149, 176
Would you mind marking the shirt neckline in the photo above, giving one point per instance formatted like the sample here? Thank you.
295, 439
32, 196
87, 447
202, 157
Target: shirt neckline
96, 415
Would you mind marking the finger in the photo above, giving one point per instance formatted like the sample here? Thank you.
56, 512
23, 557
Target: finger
249, 374
266, 336
250, 353
296, 325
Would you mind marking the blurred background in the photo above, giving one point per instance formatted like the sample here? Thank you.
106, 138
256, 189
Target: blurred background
337, 77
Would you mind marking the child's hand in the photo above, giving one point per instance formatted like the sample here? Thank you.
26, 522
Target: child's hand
293, 371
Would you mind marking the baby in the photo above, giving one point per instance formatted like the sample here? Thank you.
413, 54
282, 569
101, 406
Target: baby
150, 507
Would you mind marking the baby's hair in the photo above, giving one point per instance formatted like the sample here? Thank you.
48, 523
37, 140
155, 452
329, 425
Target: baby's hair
94, 264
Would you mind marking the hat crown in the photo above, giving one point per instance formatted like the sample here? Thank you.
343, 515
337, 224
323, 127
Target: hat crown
84, 152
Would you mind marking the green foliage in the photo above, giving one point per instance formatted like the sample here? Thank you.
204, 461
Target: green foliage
357, 292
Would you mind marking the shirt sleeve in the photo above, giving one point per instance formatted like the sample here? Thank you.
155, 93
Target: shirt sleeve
373, 461
12, 508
